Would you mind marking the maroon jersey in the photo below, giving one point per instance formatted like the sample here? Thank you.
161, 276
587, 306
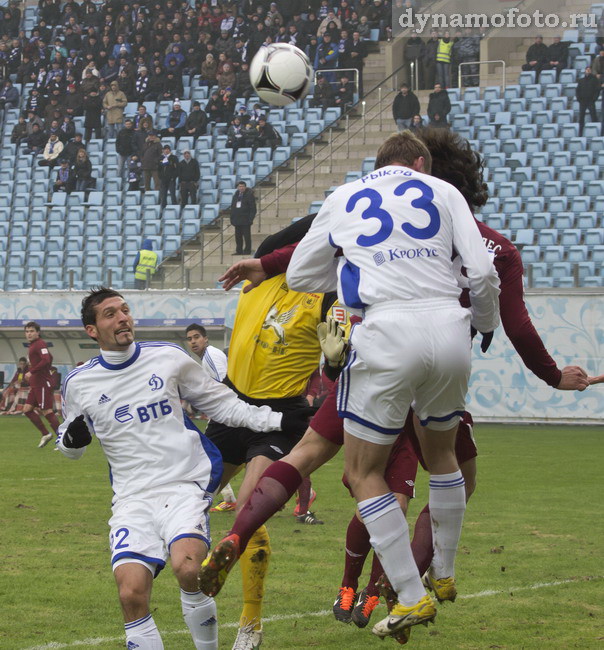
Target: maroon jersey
40, 361
515, 318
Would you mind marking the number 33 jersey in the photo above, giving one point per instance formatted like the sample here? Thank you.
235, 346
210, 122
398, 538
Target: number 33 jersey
398, 231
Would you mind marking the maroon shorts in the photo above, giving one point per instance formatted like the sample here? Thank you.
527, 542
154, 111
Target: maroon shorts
42, 397
402, 464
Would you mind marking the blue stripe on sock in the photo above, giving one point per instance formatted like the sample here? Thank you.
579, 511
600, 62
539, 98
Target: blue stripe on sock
440, 486
455, 480
376, 506
140, 621
376, 501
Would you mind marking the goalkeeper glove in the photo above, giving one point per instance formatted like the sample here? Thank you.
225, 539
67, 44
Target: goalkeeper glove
296, 422
77, 434
487, 338
333, 342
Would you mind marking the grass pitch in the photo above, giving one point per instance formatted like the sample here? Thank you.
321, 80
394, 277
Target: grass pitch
530, 569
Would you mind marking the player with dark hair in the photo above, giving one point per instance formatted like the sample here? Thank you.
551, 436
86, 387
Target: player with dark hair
40, 382
163, 470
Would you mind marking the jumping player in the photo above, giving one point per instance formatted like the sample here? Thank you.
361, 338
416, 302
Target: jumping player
163, 470
40, 382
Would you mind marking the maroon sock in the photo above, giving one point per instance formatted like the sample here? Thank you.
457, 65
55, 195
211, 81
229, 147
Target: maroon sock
274, 489
37, 422
376, 572
304, 495
53, 421
422, 547
357, 549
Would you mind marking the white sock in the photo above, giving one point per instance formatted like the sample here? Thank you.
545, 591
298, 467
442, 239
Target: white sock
228, 494
143, 634
199, 612
447, 507
389, 535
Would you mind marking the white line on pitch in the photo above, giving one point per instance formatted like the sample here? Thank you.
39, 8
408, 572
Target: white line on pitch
324, 612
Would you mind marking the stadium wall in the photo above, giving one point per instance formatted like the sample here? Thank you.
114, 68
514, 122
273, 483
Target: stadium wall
502, 389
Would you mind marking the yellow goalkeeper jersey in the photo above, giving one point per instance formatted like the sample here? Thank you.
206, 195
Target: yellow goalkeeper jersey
274, 348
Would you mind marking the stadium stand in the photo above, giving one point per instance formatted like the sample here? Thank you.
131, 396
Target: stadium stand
101, 229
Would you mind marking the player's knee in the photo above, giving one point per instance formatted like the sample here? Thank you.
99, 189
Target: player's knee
133, 596
186, 572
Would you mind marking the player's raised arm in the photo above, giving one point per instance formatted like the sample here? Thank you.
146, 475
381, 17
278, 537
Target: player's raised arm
313, 266
222, 404
482, 276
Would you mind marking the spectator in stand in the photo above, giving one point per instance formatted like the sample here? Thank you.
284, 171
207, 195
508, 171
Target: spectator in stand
141, 114
344, 95
437, 121
110, 71
175, 122
557, 56
358, 53
414, 52
417, 124
126, 85
173, 88
429, 62
227, 103
156, 85
243, 212
226, 78
152, 153
536, 57
71, 149
73, 102
168, 173
35, 102
209, 69
64, 181
243, 85
214, 107
125, 144
52, 150
188, 178
439, 102
327, 20
597, 67
326, 57
235, 137
19, 132
404, 107
141, 84
197, 122
93, 108
114, 103
134, 173
323, 94
588, 91
267, 134
82, 172
9, 96
250, 135
66, 130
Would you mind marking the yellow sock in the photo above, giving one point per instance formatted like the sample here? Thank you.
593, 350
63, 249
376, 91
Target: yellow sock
254, 566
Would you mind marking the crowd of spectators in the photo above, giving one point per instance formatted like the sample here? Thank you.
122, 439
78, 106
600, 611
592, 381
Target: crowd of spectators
406, 108
438, 58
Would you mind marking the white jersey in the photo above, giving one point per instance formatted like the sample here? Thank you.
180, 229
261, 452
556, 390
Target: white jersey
398, 230
134, 410
215, 362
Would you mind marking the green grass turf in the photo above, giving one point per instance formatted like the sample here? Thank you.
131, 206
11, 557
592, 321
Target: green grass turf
536, 517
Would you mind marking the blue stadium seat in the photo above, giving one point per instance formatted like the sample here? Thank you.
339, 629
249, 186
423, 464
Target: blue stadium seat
561, 159
262, 154
190, 212
512, 92
209, 213
552, 188
593, 281
595, 188
577, 253
531, 254
544, 282
597, 254
522, 174
568, 77
132, 228
541, 220
113, 228
93, 228
524, 237
535, 204
529, 189
558, 204
574, 188
562, 220
593, 237
511, 146
190, 228
507, 189
553, 254
226, 196
571, 237
496, 221
587, 220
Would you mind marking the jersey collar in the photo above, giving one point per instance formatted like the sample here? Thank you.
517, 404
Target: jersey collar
111, 366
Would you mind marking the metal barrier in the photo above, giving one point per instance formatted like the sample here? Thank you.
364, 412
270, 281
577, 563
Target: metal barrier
479, 63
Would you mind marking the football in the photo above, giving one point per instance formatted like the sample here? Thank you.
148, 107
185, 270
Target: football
281, 74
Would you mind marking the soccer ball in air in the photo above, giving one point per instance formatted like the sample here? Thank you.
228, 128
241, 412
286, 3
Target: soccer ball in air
280, 73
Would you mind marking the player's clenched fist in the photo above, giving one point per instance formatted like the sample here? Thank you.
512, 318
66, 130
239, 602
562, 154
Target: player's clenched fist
333, 342
77, 434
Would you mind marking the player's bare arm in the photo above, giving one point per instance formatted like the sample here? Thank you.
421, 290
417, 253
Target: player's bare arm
250, 269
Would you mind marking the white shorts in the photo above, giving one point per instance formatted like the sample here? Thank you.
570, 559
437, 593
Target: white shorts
402, 357
144, 526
